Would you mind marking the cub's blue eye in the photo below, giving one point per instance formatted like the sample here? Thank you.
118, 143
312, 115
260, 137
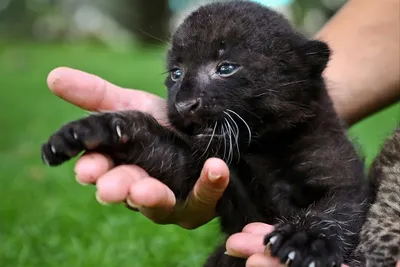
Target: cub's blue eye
227, 69
176, 74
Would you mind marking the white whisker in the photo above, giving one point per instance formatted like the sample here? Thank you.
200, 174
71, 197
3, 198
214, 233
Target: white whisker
211, 138
235, 133
230, 141
245, 123
291, 83
224, 140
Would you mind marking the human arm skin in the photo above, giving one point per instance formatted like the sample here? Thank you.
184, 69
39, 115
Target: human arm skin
363, 75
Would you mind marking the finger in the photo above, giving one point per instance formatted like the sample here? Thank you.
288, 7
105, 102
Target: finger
261, 260
398, 264
210, 186
153, 199
93, 93
91, 166
114, 185
258, 228
200, 205
243, 245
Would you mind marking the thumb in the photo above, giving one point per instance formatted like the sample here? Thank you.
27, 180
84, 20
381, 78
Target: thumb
93, 93
214, 179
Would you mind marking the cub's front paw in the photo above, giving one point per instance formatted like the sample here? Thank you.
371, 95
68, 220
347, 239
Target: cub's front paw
98, 131
302, 248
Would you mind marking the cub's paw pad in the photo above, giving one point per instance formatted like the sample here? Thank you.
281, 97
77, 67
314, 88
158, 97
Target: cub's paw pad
302, 248
90, 133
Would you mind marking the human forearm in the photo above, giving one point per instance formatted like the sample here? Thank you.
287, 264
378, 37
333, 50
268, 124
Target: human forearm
364, 73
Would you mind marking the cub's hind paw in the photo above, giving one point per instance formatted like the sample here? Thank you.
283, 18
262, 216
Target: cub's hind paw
104, 130
302, 248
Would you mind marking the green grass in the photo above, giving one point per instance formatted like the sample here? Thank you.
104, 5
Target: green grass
46, 218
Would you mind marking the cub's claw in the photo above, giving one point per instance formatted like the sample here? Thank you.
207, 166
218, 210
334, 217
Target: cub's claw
302, 248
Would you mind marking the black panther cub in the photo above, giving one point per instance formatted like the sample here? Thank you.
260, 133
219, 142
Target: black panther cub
246, 87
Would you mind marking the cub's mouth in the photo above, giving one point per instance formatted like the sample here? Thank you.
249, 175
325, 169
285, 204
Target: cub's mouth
202, 130
213, 131
209, 131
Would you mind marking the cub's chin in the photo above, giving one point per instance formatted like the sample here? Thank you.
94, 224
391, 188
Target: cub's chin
199, 130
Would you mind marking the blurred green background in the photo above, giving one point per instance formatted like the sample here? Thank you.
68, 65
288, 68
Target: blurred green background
46, 218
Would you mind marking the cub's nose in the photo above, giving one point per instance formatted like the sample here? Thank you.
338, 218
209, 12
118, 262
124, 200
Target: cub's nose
189, 107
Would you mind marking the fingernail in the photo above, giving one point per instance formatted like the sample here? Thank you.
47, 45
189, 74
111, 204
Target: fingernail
232, 254
131, 204
102, 202
79, 182
213, 177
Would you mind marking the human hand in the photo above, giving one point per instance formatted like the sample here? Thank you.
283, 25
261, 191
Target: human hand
129, 183
249, 244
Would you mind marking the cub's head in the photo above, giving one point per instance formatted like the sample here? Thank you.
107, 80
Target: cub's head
237, 67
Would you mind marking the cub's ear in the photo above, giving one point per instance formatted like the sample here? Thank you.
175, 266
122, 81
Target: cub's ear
316, 54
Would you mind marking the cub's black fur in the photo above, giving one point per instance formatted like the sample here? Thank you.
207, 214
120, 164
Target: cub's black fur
245, 87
